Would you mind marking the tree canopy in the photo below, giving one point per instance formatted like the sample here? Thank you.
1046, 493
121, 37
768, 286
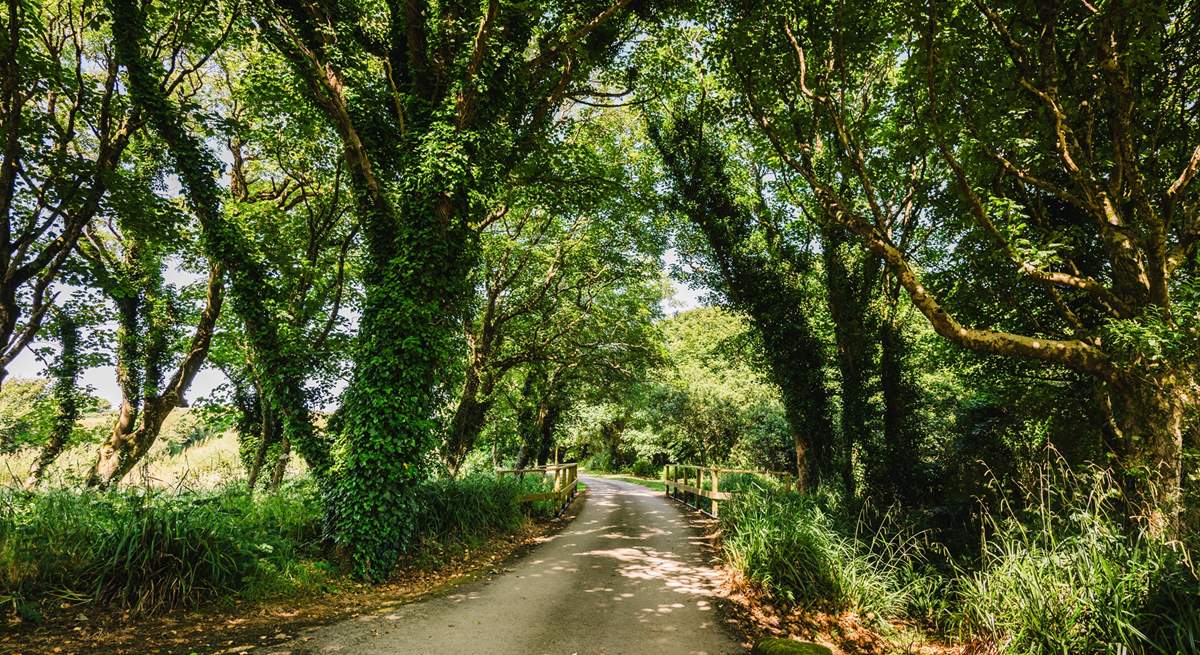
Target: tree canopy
420, 239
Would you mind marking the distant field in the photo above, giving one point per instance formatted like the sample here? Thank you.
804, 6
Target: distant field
205, 463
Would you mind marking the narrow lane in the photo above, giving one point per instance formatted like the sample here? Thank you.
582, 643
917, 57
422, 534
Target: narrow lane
627, 576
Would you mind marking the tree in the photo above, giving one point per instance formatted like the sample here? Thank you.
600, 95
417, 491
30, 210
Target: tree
223, 241
437, 105
145, 307
556, 253
66, 125
1100, 236
759, 284
66, 398
288, 188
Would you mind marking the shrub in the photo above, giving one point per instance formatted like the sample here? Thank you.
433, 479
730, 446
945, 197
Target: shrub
149, 551
465, 511
602, 462
645, 468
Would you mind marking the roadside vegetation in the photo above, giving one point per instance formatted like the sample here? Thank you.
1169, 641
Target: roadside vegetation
149, 549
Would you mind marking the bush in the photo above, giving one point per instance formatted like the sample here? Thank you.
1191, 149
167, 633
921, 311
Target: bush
645, 469
601, 462
149, 551
466, 511
1067, 576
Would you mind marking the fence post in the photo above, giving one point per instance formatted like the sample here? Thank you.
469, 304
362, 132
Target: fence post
716, 480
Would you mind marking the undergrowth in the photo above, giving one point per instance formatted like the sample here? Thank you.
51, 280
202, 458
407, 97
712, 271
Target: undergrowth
149, 551
796, 548
1059, 570
1065, 574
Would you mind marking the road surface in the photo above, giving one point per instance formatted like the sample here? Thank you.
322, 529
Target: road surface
627, 576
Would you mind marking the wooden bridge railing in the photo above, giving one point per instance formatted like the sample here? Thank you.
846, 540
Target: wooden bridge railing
686, 483
566, 483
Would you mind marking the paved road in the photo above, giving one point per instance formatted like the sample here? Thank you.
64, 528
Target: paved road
627, 576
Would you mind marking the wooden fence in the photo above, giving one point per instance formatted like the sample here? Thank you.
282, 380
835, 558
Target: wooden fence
566, 483
687, 484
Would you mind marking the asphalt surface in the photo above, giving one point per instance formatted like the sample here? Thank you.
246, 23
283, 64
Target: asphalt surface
627, 576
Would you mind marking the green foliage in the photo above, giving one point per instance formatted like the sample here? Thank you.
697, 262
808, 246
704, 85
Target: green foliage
462, 513
151, 551
1066, 575
27, 411
796, 548
223, 240
757, 274
708, 404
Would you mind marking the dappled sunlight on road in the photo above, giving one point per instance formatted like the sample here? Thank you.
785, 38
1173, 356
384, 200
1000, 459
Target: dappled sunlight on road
628, 575
647, 564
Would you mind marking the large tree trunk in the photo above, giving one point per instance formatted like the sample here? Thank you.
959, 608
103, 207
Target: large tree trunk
760, 284
896, 474
549, 415
121, 451
271, 430
285, 453
1145, 416
417, 284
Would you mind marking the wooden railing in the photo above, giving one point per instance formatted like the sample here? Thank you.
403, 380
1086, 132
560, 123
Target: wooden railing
686, 483
566, 483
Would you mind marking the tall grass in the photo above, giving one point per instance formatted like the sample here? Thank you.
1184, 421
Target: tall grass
792, 546
151, 550
1065, 574
461, 513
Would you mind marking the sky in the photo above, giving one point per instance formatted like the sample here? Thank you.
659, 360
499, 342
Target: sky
103, 381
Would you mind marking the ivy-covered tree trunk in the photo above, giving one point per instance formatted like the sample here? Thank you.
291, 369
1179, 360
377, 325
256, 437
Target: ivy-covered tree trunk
128, 370
549, 413
66, 376
527, 417
126, 446
848, 292
897, 473
417, 281
759, 285
281, 463
468, 421
269, 436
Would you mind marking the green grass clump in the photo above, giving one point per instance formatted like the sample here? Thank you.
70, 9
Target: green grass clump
466, 510
794, 548
150, 551
1067, 575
